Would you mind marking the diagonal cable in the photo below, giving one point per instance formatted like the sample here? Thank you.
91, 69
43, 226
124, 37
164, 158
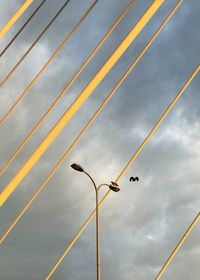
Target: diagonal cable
81, 99
183, 239
61, 46
81, 134
34, 43
63, 92
122, 173
22, 28
58, 50
13, 20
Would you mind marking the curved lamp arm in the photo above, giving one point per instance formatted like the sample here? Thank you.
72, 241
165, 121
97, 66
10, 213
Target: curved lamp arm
113, 186
93, 182
105, 185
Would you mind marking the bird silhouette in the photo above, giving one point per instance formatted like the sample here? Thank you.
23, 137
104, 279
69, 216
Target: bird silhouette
133, 179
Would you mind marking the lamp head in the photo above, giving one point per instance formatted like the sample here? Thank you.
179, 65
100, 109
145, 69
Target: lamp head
114, 187
77, 167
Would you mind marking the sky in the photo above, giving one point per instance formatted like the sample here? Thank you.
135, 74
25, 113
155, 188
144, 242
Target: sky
141, 224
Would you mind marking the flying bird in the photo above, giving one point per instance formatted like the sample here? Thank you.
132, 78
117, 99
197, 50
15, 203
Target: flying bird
134, 179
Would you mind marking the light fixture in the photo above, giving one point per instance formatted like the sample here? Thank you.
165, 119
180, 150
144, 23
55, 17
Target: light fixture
77, 167
114, 187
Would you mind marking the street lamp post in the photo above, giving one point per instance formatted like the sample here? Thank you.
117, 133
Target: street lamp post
114, 187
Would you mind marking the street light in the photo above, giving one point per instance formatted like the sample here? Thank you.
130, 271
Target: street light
114, 187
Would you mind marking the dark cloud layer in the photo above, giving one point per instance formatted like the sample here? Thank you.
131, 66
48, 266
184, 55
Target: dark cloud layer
141, 225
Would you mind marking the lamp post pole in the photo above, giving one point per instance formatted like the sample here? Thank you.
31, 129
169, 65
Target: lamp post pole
98, 237
97, 228
114, 187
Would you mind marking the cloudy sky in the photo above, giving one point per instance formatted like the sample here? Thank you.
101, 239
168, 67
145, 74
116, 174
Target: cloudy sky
141, 225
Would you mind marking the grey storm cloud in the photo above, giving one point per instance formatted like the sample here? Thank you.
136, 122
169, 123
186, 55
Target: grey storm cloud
141, 225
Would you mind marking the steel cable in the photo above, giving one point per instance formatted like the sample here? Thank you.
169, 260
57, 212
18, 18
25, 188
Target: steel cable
121, 174
22, 28
90, 122
61, 46
80, 100
183, 239
65, 89
13, 20
34, 43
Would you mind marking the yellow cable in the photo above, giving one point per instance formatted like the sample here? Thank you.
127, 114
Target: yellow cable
12, 158
34, 43
185, 236
69, 150
22, 28
64, 90
47, 64
160, 121
91, 121
13, 20
9, 189
121, 174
